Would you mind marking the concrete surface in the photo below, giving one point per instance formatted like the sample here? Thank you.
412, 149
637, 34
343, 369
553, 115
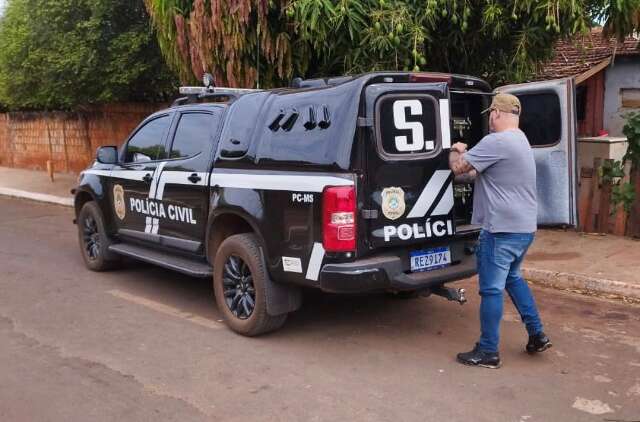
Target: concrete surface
36, 185
603, 264
143, 343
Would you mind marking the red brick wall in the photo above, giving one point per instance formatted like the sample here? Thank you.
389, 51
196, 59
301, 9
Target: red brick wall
69, 140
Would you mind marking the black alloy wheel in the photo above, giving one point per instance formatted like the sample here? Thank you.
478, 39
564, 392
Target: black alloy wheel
238, 288
91, 237
240, 282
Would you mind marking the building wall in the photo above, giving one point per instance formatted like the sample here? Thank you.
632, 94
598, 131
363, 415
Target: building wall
623, 73
593, 98
69, 140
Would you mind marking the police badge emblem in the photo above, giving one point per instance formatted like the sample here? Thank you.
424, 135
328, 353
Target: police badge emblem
118, 201
393, 205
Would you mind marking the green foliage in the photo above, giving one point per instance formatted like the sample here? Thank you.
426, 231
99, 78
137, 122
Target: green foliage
623, 194
503, 41
620, 17
631, 130
63, 54
611, 171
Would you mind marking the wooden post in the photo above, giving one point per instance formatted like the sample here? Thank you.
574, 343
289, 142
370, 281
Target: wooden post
64, 144
620, 216
585, 198
592, 223
50, 160
633, 225
604, 206
50, 169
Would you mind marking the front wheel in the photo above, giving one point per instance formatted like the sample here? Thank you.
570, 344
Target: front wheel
239, 279
93, 239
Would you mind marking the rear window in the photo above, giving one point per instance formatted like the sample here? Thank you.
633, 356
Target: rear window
541, 119
193, 134
407, 126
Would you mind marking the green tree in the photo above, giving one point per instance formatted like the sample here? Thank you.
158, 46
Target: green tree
63, 54
245, 41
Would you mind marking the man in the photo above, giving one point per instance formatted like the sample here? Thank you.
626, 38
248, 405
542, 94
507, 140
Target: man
504, 204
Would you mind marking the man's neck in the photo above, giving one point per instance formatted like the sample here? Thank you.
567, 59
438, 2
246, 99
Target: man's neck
507, 128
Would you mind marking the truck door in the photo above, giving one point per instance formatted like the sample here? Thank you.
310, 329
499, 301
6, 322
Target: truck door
183, 186
134, 179
408, 190
548, 119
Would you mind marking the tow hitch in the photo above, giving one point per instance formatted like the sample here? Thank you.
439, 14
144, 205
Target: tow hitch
456, 295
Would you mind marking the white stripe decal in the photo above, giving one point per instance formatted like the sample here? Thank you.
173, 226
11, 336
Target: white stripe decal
315, 262
155, 226
446, 203
429, 193
148, 224
157, 174
97, 172
120, 174
288, 182
179, 178
445, 125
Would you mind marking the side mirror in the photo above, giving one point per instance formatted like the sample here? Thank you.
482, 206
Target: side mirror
107, 155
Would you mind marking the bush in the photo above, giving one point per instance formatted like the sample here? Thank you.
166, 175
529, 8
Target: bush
62, 54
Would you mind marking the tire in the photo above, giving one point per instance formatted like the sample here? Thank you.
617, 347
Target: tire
93, 239
239, 280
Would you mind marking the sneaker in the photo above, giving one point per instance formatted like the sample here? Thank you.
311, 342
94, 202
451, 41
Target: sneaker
476, 357
538, 343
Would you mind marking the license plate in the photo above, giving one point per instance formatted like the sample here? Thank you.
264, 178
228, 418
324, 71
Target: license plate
430, 259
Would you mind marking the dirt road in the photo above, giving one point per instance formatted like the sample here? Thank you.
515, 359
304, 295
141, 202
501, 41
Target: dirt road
143, 343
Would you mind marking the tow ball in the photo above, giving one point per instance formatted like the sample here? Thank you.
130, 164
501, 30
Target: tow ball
455, 295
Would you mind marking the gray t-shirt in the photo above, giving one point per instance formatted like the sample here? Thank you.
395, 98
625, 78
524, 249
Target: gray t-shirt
504, 199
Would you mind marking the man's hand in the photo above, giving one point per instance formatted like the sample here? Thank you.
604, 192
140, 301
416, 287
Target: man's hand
460, 147
456, 161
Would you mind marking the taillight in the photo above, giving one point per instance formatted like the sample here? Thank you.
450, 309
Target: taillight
339, 219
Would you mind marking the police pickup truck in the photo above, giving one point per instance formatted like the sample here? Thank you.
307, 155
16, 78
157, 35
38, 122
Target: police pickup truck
339, 184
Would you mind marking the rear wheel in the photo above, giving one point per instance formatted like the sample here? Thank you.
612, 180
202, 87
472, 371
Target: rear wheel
93, 239
239, 279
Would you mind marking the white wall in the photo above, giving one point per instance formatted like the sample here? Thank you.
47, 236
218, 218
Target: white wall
624, 73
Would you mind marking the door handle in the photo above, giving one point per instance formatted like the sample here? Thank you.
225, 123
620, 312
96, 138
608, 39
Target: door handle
147, 178
194, 178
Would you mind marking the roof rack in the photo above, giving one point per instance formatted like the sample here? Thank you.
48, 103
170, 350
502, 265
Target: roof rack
193, 94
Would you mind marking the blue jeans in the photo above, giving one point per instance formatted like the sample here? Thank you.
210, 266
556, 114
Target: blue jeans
499, 257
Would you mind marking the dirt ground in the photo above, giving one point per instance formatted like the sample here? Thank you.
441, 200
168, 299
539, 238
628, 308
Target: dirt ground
143, 343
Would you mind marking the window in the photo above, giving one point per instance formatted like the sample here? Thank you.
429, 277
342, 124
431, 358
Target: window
192, 135
148, 143
406, 125
630, 97
541, 119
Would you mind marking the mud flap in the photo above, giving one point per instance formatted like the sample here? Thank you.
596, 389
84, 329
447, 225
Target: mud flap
281, 298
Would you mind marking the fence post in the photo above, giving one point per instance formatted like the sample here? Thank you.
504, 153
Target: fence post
605, 204
592, 223
633, 224
50, 160
585, 198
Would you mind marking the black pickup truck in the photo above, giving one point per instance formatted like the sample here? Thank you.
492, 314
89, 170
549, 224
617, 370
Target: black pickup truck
339, 184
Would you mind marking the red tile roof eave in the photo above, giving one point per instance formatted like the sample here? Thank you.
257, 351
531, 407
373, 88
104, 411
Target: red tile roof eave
575, 56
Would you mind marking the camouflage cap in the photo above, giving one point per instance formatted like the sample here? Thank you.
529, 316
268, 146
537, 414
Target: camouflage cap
505, 102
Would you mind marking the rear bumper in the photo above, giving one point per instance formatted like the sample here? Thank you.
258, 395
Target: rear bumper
390, 272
